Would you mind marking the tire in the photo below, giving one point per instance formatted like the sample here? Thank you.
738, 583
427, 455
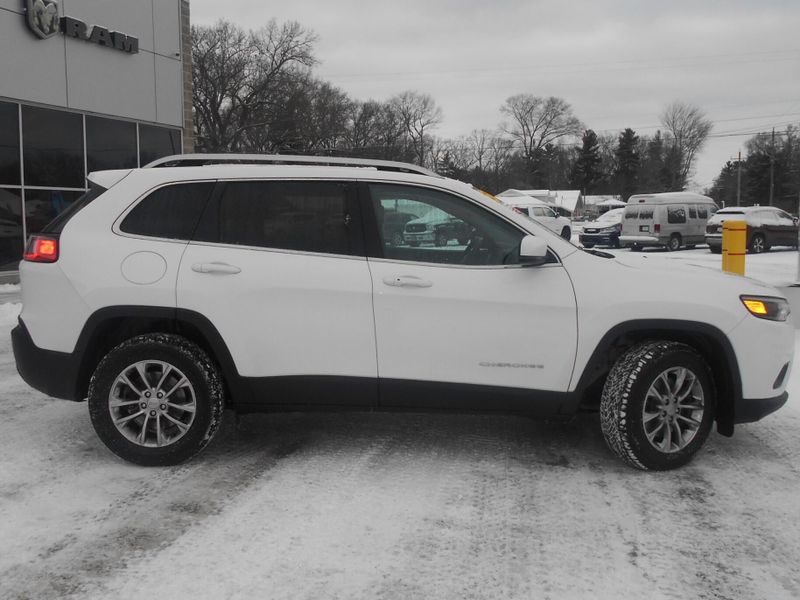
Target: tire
758, 244
441, 239
674, 242
635, 248
177, 435
566, 233
628, 394
715, 249
588, 246
413, 244
397, 239
615, 242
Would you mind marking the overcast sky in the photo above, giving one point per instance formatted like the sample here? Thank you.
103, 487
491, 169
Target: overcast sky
619, 63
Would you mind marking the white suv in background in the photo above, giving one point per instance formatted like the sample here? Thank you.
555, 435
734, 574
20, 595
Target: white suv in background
170, 292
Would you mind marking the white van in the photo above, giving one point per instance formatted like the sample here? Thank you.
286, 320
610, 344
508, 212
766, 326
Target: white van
671, 219
540, 211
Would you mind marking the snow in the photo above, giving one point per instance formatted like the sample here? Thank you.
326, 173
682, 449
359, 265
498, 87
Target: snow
395, 506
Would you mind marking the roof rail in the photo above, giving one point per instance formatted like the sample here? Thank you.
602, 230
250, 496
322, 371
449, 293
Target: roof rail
195, 160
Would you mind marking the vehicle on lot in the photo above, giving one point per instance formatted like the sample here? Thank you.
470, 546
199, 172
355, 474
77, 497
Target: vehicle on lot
767, 226
605, 230
541, 212
166, 294
394, 222
436, 227
670, 219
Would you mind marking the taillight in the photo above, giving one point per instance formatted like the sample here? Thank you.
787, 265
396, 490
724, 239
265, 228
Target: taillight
41, 248
657, 227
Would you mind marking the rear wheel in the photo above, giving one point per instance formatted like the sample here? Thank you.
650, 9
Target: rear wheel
715, 249
635, 247
441, 238
156, 399
674, 242
566, 233
397, 239
658, 405
758, 243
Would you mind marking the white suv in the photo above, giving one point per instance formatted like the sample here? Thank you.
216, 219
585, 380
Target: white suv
171, 292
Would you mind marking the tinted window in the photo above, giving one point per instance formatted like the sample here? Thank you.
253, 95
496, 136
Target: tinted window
57, 224
632, 212
449, 229
676, 214
646, 212
702, 212
53, 147
42, 206
157, 142
169, 212
110, 144
310, 216
10, 229
692, 212
9, 144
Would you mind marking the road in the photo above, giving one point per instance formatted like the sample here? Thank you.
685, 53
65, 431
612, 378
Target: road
390, 506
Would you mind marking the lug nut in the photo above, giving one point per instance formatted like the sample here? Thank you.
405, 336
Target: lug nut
143, 405
147, 394
160, 395
163, 407
152, 413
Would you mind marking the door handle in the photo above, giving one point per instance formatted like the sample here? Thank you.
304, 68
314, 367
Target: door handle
215, 267
407, 281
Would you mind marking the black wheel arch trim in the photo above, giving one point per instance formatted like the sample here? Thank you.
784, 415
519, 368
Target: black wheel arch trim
709, 340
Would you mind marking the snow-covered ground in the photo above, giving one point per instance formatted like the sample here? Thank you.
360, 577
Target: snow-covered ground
395, 506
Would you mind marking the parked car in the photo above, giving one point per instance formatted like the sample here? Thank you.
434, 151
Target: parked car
437, 228
394, 222
767, 226
672, 220
164, 296
541, 212
604, 230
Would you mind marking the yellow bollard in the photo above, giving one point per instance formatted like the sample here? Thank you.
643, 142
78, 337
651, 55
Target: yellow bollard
734, 246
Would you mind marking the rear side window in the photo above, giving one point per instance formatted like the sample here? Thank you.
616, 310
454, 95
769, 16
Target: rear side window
308, 216
692, 212
57, 224
632, 212
676, 214
702, 212
170, 212
646, 212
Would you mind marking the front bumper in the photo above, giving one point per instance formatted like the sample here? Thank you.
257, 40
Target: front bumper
52, 373
749, 410
599, 238
714, 240
421, 237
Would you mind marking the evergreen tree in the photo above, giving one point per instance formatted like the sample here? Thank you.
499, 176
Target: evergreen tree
626, 173
587, 172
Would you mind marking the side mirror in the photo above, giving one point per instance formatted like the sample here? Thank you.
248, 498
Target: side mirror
532, 251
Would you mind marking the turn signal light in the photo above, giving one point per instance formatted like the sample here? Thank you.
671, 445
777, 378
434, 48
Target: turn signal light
40, 248
765, 307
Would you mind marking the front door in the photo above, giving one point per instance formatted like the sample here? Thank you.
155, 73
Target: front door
464, 325
278, 268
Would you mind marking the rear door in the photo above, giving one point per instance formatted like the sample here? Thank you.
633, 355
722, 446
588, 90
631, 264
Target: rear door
278, 268
465, 326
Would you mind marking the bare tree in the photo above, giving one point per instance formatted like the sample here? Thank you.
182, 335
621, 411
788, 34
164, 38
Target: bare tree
479, 141
537, 122
236, 75
419, 114
688, 129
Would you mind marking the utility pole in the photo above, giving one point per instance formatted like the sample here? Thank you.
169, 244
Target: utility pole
739, 181
772, 168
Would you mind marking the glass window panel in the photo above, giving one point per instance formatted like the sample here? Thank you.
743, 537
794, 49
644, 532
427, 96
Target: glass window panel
157, 142
53, 147
676, 214
110, 144
169, 212
310, 216
11, 239
42, 206
448, 229
9, 144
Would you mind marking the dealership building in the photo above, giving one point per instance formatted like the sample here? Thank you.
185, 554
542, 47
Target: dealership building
85, 85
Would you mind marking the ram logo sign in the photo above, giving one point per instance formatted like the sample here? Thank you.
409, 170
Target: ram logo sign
43, 17
43, 20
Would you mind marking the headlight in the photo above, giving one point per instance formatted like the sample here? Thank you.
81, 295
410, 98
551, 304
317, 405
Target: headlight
767, 307
612, 229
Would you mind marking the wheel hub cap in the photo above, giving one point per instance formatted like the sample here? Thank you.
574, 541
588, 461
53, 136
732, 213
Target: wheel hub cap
673, 409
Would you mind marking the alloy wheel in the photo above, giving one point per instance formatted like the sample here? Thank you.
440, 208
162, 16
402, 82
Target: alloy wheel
673, 409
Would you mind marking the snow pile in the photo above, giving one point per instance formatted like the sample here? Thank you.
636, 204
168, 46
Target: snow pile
9, 313
9, 288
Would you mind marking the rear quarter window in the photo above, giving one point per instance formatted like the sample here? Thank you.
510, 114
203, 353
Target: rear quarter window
170, 212
57, 225
676, 214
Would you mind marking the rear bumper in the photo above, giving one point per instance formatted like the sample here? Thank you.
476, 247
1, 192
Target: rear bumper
52, 373
749, 410
642, 240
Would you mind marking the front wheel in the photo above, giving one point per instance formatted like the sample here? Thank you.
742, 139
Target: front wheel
657, 405
758, 244
156, 399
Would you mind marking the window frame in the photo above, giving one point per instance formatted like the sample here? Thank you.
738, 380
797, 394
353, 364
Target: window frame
375, 250
356, 230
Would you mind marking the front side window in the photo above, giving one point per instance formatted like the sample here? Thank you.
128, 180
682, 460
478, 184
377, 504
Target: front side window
307, 216
170, 212
447, 229
676, 214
